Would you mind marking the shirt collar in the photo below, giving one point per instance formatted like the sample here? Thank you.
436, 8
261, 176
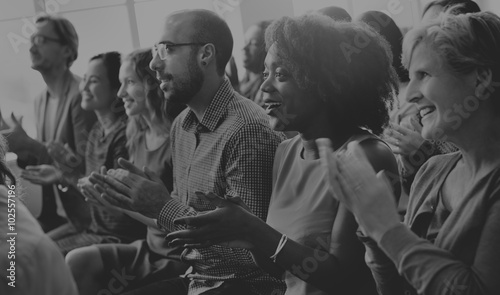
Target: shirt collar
215, 111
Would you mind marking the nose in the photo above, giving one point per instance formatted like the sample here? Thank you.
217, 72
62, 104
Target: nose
155, 63
121, 91
413, 93
32, 47
267, 85
84, 85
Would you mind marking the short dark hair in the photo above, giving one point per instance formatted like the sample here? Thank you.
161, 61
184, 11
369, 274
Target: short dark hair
386, 27
358, 86
462, 6
211, 28
65, 32
112, 63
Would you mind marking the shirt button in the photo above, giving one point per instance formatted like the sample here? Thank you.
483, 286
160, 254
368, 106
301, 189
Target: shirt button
199, 129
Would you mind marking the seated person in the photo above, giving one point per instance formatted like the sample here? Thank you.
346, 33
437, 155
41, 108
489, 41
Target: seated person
310, 238
222, 142
450, 238
404, 135
148, 144
254, 53
36, 265
106, 144
58, 116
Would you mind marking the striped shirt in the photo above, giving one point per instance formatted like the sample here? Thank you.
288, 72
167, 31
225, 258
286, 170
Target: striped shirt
230, 152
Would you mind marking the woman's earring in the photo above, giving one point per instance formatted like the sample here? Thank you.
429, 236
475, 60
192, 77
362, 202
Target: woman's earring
203, 63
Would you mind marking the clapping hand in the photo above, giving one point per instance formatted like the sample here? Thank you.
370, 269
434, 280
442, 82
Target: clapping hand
42, 174
132, 189
353, 181
92, 195
404, 138
18, 139
226, 226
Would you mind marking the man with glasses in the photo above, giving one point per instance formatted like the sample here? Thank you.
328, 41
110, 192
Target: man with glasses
221, 143
58, 116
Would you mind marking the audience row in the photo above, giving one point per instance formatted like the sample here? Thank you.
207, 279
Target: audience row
171, 180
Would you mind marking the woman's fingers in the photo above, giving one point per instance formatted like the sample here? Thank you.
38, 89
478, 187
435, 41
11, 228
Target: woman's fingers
400, 129
127, 165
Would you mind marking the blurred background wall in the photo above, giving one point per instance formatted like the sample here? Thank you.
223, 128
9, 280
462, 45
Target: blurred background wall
124, 25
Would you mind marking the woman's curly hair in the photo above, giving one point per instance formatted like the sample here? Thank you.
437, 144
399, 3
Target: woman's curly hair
164, 113
347, 65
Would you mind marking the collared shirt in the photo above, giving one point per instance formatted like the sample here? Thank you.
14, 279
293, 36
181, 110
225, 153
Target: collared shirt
230, 152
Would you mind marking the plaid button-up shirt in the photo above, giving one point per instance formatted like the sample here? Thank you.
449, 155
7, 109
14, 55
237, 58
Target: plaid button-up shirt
230, 152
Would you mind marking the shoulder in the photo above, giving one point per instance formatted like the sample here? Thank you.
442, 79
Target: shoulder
287, 145
177, 123
287, 150
254, 134
431, 173
436, 164
381, 158
245, 116
243, 111
378, 153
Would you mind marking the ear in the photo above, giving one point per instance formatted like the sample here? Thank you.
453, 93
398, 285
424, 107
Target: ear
484, 81
67, 52
207, 54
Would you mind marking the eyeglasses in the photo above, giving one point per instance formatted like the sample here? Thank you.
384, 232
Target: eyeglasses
40, 40
162, 48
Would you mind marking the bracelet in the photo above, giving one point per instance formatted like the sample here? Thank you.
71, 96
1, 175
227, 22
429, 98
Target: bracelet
281, 244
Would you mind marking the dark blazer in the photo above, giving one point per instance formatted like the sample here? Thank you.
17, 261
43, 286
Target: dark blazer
72, 128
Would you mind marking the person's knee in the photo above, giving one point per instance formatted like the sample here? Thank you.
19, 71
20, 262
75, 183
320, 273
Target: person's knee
85, 261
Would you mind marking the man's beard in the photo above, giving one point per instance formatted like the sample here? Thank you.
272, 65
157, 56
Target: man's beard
186, 88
